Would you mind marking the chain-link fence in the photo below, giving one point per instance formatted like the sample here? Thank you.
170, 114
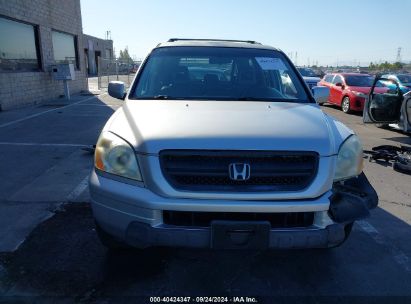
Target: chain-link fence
116, 69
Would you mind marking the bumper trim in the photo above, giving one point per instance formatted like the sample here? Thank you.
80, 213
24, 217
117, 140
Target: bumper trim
352, 200
143, 235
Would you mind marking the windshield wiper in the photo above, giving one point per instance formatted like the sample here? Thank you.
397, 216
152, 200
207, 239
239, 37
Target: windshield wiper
161, 97
258, 99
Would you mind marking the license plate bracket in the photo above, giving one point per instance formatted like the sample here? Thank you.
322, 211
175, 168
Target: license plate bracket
240, 235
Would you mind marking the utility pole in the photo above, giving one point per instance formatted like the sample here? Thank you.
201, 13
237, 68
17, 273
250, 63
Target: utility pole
108, 35
399, 54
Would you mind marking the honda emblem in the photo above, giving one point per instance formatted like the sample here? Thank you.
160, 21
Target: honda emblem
239, 171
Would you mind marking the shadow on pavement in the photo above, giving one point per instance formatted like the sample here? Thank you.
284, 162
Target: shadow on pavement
63, 257
402, 140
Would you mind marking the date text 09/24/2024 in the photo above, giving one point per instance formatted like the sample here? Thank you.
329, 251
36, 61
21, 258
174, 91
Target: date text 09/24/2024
237, 299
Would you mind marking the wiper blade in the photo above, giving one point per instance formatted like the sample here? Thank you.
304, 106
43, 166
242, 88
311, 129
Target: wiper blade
247, 98
260, 99
161, 97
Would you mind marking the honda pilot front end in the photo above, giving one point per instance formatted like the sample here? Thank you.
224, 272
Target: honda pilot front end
220, 144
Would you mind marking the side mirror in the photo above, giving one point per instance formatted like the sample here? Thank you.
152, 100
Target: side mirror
339, 84
321, 94
117, 89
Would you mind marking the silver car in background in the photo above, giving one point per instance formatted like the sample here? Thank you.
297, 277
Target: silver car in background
309, 76
220, 144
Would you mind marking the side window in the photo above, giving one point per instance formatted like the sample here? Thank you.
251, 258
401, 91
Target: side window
328, 78
338, 79
288, 87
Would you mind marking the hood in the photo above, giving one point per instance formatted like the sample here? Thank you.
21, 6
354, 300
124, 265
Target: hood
366, 90
154, 125
311, 79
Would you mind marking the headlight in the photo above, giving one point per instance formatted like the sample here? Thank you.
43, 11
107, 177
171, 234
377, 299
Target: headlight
349, 159
114, 155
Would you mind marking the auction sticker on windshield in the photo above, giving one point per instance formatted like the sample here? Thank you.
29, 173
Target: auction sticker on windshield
271, 63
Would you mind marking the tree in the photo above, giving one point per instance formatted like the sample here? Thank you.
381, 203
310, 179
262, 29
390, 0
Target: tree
124, 55
398, 65
386, 66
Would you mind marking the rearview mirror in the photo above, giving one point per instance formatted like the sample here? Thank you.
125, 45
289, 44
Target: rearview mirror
117, 89
321, 94
220, 60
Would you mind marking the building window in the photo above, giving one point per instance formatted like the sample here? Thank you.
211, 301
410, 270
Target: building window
108, 53
65, 48
18, 46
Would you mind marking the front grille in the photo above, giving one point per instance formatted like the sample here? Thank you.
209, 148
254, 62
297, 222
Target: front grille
204, 219
193, 170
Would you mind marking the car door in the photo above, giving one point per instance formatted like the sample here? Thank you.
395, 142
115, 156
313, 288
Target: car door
388, 108
336, 90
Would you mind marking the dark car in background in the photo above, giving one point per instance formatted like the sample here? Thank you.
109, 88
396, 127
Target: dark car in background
350, 90
310, 76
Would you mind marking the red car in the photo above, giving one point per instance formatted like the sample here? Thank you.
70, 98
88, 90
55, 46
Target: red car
349, 90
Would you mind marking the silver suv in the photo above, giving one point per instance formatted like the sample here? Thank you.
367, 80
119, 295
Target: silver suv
220, 144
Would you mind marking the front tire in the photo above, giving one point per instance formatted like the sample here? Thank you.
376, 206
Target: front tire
345, 105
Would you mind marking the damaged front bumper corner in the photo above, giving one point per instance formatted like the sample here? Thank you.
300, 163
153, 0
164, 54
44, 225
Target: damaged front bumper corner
352, 199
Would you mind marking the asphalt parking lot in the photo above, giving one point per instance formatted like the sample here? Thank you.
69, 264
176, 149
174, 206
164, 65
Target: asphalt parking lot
49, 248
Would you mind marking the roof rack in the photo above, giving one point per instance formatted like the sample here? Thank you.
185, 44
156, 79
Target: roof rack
222, 40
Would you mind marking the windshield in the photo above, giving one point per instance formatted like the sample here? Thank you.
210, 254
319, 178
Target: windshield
359, 81
215, 73
307, 72
404, 78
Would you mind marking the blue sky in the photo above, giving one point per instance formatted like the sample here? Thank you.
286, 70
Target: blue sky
323, 31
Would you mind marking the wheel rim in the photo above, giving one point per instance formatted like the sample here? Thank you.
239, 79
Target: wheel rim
346, 105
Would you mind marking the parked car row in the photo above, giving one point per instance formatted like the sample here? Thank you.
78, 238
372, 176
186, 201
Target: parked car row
385, 99
350, 90
388, 95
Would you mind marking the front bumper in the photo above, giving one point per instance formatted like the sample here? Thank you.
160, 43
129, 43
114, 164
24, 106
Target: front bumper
143, 235
357, 103
133, 214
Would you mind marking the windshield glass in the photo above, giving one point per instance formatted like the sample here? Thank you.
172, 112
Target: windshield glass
217, 73
307, 72
359, 81
404, 78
